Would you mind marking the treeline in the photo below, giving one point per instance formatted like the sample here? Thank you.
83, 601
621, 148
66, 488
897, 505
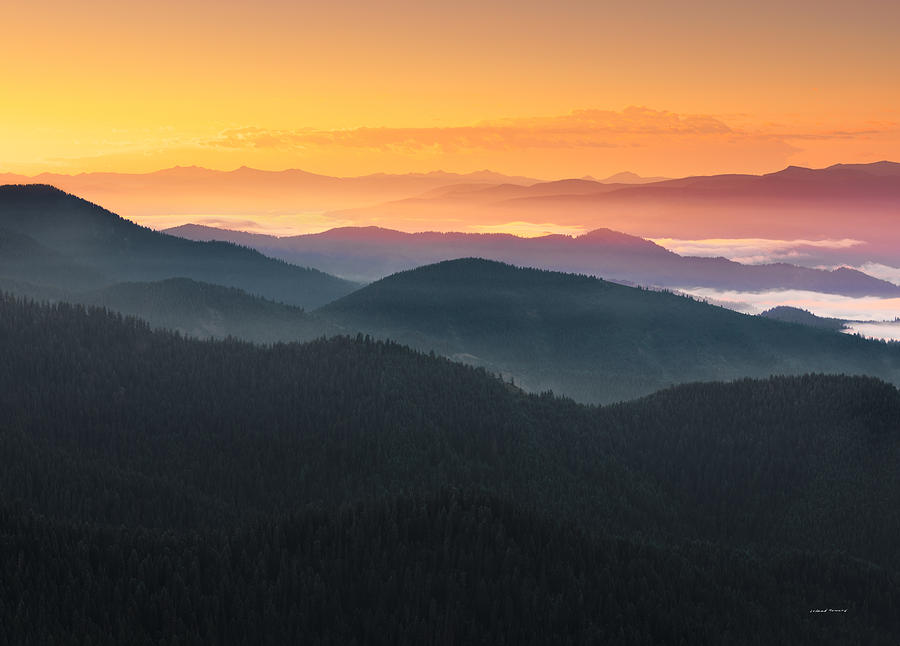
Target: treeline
449, 569
158, 489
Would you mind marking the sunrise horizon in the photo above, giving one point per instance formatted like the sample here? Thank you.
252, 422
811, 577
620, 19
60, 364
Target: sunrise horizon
524, 89
460, 171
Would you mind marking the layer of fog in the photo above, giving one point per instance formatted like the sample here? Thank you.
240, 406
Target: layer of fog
867, 309
756, 251
884, 272
889, 331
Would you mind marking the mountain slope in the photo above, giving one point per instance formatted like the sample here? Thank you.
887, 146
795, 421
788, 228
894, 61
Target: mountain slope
117, 250
370, 253
203, 310
588, 338
293, 493
23, 258
389, 412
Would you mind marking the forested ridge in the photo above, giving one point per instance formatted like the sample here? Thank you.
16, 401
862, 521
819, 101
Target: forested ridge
49, 238
159, 489
592, 339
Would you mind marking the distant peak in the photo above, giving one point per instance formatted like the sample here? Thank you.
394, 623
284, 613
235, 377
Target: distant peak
33, 189
616, 238
628, 177
792, 169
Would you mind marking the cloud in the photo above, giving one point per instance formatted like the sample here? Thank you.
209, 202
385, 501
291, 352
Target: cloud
753, 250
595, 141
885, 331
867, 308
578, 129
884, 272
287, 224
826, 135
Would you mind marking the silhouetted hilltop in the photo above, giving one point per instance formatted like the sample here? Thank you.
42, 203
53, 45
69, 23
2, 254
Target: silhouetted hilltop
804, 317
114, 250
589, 338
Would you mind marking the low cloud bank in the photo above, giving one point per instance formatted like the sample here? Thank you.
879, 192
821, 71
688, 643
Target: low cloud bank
867, 308
756, 251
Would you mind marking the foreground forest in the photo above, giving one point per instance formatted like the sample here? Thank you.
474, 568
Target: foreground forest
158, 489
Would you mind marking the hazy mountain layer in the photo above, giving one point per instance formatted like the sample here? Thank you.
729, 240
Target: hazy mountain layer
53, 239
191, 189
370, 253
591, 339
857, 201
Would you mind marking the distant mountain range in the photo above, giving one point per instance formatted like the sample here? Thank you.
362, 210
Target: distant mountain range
858, 201
844, 201
193, 189
627, 177
369, 253
52, 239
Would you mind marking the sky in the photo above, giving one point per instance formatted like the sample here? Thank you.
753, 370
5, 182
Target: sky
544, 89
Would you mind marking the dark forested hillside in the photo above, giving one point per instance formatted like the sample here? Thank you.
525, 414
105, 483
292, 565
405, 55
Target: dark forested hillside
447, 569
203, 310
159, 489
591, 339
63, 241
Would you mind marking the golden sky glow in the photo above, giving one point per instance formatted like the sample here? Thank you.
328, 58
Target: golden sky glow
546, 89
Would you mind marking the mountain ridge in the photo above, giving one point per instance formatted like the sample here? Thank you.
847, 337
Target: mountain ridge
593, 340
370, 253
842, 201
115, 249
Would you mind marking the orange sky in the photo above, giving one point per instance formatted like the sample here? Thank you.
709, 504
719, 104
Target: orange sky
545, 89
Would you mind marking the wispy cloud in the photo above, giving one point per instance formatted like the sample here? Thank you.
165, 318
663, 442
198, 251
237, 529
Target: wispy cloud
884, 272
885, 331
271, 224
588, 128
753, 250
593, 141
868, 308
580, 129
